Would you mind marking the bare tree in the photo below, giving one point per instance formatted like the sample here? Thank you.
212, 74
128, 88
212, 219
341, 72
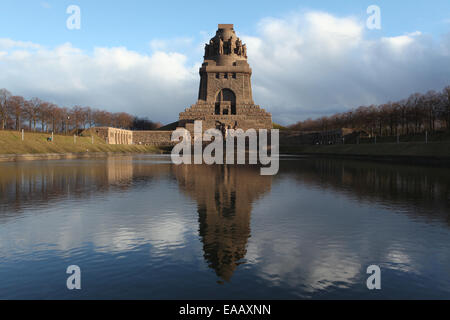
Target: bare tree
43, 115
64, 117
32, 109
5, 95
445, 111
124, 120
54, 115
414, 115
15, 108
89, 117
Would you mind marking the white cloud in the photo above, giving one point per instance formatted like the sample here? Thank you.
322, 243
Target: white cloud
311, 64
116, 79
304, 65
400, 42
9, 44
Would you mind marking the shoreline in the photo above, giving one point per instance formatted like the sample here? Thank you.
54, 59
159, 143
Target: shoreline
437, 153
404, 159
394, 159
66, 156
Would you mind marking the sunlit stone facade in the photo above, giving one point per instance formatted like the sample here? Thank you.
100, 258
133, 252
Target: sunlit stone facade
225, 97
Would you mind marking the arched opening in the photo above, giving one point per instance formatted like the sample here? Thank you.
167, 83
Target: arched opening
225, 102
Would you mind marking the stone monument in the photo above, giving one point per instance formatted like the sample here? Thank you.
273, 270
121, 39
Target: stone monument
225, 98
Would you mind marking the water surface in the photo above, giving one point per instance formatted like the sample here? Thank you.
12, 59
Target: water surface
142, 228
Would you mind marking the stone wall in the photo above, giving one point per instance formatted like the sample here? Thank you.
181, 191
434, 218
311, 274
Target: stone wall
154, 138
236, 78
261, 120
102, 132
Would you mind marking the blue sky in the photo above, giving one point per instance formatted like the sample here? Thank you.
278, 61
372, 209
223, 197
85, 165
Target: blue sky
133, 23
122, 45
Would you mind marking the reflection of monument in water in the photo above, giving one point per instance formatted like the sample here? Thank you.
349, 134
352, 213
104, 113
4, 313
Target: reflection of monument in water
225, 195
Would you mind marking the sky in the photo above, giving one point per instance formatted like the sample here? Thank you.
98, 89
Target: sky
309, 58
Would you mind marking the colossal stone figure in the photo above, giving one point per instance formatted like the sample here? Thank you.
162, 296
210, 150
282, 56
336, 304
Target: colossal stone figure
239, 47
225, 93
244, 50
220, 47
232, 46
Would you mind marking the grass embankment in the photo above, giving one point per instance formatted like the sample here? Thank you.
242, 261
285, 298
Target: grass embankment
436, 150
36, 143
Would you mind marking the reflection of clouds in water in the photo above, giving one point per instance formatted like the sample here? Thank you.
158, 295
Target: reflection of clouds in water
399, 260
319, 246
294, 247
288, 263
107, 226
168, 233
116, 241
42, 231
332, 268
162, 234
74, 231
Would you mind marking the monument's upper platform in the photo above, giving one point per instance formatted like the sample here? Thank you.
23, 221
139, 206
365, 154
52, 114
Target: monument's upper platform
225, 48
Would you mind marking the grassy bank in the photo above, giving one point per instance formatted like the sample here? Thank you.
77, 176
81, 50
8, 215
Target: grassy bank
436, 150
36, 143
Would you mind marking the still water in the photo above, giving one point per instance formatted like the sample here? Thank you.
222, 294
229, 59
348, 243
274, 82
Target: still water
142, 228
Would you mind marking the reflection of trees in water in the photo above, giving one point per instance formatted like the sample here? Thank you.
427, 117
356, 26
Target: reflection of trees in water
419, 190
225, 195
23, 185
29, 185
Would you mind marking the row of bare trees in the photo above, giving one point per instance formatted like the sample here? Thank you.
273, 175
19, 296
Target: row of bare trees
17, 113
414, 115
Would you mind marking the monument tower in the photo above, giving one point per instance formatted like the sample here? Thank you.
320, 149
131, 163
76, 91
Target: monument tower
225, 96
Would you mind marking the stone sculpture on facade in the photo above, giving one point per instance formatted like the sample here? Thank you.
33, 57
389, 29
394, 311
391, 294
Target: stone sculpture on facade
219, 45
